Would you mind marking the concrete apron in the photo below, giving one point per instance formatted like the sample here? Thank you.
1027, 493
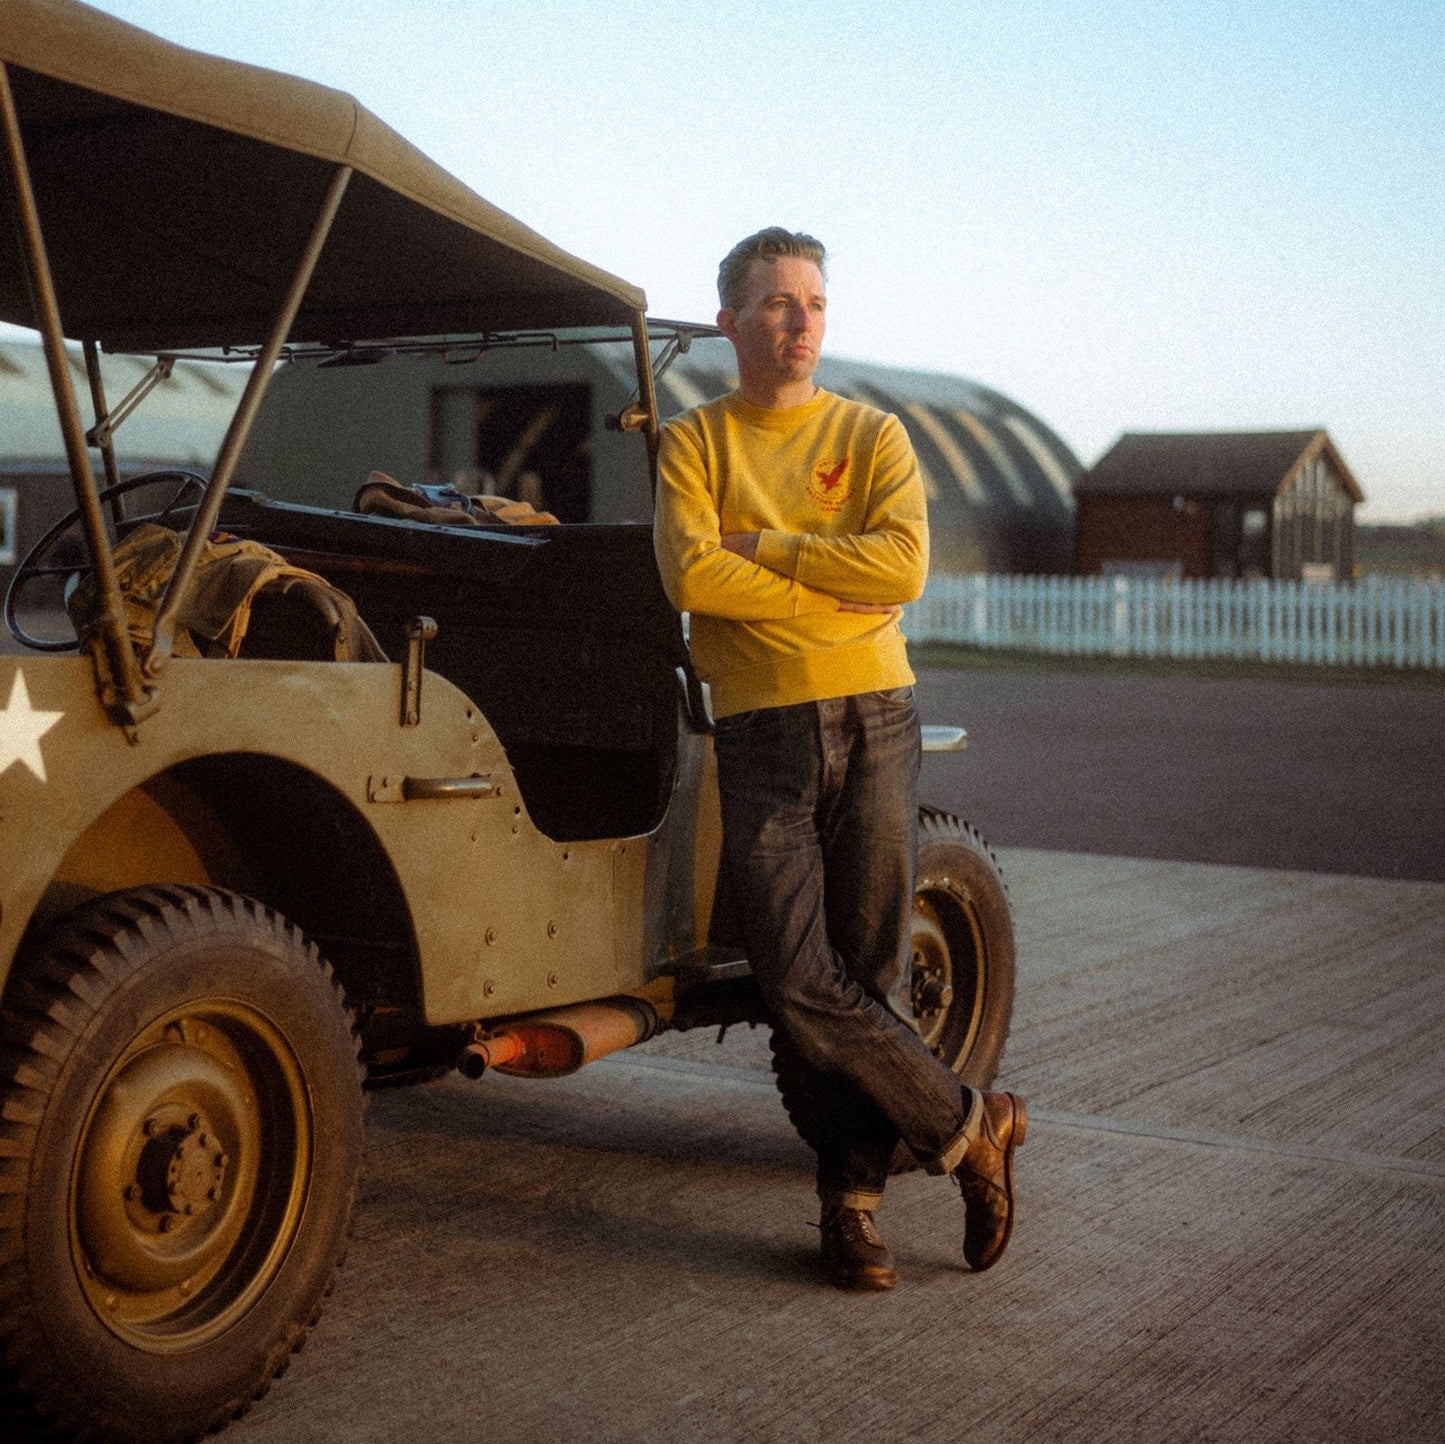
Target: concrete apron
1230, 1226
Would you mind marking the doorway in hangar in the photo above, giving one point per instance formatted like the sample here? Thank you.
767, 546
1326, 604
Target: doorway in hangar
531, 443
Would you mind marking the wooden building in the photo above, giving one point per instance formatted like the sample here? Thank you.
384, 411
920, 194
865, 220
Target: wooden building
1277, 504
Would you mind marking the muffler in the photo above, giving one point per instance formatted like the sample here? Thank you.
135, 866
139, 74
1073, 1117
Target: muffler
561, 1040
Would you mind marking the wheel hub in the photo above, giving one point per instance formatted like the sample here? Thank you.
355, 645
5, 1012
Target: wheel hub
932, 970
930, 994
180, 1171
159, 1203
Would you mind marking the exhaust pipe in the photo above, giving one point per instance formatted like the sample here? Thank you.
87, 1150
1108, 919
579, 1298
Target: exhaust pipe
562, 1040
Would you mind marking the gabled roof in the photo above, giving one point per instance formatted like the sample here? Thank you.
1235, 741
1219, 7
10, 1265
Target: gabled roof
177, 190
1210, 463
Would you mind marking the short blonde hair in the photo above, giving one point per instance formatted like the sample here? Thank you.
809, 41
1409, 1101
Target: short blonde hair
766, 245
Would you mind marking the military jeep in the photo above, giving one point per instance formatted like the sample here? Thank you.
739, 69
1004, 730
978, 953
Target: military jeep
434, 797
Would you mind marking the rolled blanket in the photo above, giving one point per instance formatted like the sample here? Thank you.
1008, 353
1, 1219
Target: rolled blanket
382, 495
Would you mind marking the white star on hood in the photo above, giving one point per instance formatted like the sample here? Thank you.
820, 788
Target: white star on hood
22, 727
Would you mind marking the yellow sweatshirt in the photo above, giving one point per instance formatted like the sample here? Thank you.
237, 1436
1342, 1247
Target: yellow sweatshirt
834, 490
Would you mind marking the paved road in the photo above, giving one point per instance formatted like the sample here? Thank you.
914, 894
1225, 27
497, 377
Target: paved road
1318, 776
1231, 1197
1231, 1204
1232, 1190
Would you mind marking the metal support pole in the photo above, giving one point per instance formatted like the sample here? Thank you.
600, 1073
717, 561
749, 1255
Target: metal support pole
102, 424
123, 690
240, 428
646, 394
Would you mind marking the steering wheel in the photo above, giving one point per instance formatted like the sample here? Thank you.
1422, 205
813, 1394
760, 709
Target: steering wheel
32, 564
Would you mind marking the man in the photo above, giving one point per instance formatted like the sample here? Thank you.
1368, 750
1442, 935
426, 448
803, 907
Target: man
791, 523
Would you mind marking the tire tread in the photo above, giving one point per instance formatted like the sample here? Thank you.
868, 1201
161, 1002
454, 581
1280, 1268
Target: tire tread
56, 989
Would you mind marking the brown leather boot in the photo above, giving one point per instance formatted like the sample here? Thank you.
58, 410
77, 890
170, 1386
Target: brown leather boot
853, 1253
986, 1178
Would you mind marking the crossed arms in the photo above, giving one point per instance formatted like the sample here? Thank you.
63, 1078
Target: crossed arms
745, 545
775, 574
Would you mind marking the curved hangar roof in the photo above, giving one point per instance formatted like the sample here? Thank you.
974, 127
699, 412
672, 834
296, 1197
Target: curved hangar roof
181, 423
177, 191
999, 481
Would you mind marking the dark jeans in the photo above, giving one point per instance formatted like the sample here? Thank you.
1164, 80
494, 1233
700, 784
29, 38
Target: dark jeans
820, 825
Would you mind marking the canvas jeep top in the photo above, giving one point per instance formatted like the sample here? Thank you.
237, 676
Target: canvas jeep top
298, 800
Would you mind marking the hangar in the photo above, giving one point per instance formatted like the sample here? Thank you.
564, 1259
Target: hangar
531, 422
180, 423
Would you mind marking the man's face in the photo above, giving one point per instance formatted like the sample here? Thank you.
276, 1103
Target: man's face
778, 330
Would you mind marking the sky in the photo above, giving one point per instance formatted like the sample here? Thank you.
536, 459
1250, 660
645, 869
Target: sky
1128, 215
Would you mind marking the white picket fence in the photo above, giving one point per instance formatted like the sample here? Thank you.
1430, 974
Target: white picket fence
1371, 623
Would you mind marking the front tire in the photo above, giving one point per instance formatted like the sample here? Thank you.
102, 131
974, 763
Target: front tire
180, 1124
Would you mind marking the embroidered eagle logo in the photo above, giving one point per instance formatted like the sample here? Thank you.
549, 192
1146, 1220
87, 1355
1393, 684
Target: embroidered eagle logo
828, 485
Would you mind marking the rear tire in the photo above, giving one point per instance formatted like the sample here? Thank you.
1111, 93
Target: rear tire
181, 1128
963, 948
963, 968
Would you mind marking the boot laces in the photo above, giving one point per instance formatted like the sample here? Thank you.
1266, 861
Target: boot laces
855, 1224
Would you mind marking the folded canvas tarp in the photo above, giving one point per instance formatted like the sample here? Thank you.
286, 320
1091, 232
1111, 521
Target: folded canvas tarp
176, 191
